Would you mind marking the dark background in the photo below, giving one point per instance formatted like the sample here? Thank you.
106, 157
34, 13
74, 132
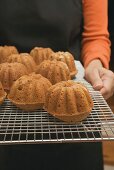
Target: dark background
111, 30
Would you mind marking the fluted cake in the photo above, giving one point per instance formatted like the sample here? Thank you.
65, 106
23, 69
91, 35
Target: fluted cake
55, 71
68, 101
28, 92
2, 94
10, 72
40, 54
23, 58
5, 51
67, 58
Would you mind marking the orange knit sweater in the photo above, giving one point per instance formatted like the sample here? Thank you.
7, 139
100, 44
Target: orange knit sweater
95, 42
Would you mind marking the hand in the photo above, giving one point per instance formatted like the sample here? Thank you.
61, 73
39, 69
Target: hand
101, 79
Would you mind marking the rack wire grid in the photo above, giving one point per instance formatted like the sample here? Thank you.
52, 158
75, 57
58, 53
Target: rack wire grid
19, 127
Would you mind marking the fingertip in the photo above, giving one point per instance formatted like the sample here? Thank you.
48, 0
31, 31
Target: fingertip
103, 91
97, 86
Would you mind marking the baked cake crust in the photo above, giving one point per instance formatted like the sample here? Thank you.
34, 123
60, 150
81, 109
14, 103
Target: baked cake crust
55, 71
67, 58
5, 51
23, 58
28, 92
40, 54
2, 94
68, 101
10, 72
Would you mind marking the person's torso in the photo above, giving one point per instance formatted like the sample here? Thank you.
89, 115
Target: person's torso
48, 23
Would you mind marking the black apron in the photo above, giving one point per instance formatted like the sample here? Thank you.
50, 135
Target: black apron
56, 24
47, 23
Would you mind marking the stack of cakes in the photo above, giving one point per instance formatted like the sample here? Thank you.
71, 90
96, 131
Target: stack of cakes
42, 79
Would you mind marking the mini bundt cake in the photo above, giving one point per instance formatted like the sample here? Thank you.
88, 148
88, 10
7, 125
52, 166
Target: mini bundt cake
2, 94
28, 92
68, 101
10, 72
23, 58
5, 51
67, 58
40, 54
55, 71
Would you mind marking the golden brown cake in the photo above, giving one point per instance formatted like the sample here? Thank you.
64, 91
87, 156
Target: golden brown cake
5, 51
2, 94
10, 72
68, 101
55, 71
23, 58
28, 92
40, 54
67, 58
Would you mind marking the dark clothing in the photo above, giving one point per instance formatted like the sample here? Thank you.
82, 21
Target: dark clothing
56, 24
78, 156
111, 30
48, 23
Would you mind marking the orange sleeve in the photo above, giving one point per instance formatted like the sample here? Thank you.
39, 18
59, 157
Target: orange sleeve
95, 37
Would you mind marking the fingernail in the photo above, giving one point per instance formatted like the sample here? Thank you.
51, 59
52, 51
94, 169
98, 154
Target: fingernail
97, 86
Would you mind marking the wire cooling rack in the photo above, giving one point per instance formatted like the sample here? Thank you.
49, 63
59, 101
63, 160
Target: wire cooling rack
17, 126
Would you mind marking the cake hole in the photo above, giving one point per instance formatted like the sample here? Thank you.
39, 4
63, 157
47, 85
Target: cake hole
20, 88
5, 81
29, 81
59, 105
18, 99
20, 81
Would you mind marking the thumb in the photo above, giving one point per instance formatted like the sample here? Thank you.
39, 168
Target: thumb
95, 79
